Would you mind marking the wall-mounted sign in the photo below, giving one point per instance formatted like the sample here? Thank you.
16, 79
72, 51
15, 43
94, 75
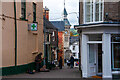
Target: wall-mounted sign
32, 27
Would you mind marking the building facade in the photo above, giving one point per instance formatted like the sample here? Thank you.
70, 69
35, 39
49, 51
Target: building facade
22, 35
99, 31
60, 25
51, 40
66, 33
74, 47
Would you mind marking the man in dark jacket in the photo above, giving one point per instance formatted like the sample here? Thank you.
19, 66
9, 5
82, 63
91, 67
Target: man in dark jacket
71, 61
38, 60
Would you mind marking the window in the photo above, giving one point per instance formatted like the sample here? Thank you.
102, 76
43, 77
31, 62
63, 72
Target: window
93, 11
23, 9
116, 52
34, 12
73, 47
95, 37
74, 54
66, 39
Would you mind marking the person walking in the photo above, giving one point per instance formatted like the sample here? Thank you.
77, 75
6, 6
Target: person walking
71, 62
60, 63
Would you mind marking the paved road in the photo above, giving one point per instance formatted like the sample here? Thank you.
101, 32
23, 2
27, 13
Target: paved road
57, 73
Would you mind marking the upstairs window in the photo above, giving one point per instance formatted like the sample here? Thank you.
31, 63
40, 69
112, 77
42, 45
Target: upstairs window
66, 39
23, 9
34, 12
93, 11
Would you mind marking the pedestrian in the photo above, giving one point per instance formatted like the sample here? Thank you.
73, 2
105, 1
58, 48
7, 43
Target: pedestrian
38, 60
60, 63
71, 62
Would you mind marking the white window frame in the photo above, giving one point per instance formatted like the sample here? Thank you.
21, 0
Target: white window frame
84, 12
115, 69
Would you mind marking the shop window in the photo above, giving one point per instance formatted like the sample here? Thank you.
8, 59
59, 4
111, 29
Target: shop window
115, 52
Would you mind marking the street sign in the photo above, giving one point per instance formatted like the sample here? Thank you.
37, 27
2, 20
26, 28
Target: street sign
34, 27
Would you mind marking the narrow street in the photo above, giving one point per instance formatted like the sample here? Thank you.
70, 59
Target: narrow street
57, 73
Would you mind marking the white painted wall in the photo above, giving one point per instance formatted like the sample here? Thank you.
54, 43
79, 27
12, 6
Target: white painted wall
84, 56
76, 44
106, 47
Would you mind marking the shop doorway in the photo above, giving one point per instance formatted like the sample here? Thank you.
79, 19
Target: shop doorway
99, 59
95, 59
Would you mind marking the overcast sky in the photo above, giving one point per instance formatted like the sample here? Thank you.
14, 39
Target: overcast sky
56, 8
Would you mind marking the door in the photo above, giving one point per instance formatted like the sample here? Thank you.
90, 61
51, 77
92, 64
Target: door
92, 59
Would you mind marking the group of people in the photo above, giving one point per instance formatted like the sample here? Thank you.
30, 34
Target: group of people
69, 63
39, 59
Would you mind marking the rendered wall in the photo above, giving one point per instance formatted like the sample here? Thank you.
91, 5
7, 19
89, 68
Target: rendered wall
27, 42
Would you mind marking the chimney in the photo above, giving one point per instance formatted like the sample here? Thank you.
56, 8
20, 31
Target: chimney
46, 13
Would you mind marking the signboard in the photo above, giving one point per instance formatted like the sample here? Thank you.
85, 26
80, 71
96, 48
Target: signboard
32, 27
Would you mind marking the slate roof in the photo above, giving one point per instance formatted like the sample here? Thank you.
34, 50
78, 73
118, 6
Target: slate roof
59, 24
49, 25
67, 23
65, 12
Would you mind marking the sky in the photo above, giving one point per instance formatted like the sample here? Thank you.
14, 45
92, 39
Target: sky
56, 8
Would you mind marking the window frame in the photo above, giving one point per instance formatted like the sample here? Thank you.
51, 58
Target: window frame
112, 50
23, 8
93, 12
34, 12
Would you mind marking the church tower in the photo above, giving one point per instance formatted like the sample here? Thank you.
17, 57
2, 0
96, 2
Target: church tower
67, 31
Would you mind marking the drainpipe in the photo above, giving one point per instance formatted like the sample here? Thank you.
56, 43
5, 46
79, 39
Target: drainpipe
15, 33
80, 43
44, 38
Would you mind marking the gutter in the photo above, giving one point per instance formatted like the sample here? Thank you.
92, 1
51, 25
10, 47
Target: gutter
15, 33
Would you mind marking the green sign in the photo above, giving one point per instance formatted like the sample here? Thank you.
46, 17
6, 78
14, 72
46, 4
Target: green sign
33, 27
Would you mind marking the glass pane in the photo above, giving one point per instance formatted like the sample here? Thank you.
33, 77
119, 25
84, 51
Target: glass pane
88, 9
91, 53
116, 38
88, 18
95, 37
100, 16
97, 0
97, 17
97, 7
116, 50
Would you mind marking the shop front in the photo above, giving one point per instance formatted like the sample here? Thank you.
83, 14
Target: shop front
100, 50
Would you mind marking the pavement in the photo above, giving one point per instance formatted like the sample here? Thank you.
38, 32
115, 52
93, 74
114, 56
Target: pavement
57, 73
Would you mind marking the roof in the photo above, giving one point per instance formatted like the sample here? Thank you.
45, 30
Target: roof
104, 24
65, 12
48, 24
67, 23
59, 24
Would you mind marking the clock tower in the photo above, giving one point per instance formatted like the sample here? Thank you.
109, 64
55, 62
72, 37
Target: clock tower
67, 30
